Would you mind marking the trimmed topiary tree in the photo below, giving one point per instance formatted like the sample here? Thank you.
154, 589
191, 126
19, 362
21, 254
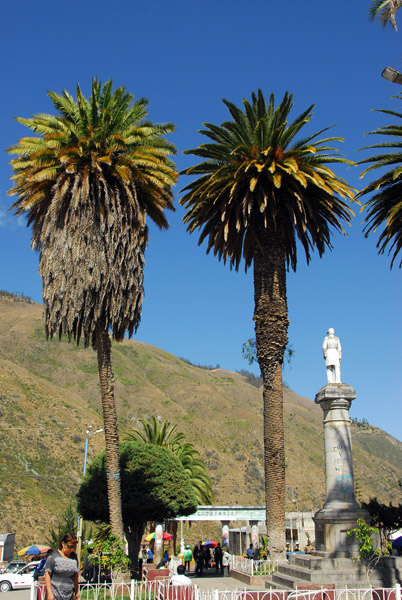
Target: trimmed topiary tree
154, 487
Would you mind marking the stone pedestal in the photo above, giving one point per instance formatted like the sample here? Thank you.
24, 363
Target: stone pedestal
340, 511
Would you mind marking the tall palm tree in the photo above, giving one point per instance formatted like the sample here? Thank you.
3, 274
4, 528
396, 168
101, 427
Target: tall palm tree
385, 207
257, 192
385, 11
158, 432
87, 181
163, 433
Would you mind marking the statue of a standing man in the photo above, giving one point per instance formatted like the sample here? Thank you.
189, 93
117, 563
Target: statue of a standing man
332, 350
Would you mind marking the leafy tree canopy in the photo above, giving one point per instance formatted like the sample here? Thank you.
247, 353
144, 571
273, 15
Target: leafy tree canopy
153, 483
386, 517
163, 433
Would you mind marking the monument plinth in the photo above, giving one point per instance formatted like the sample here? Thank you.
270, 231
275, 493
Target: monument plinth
331, 563
341, 510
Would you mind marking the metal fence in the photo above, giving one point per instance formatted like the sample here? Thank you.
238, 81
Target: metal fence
158, 589
255, 567
322, 594
161, 590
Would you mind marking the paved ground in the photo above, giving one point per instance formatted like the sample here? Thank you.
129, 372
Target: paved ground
16, 595
212, 581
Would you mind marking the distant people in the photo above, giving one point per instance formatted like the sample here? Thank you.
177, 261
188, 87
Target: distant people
250, 552
180, 578
62, 571
332, 351
226, 562
40, 568
150, 556
88, 566
198, 554
187, 556
142, 557
256, 555
309, 548
218, 553
163, 563
207, 556
297, 547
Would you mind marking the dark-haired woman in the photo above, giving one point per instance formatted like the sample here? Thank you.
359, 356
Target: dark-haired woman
61, 571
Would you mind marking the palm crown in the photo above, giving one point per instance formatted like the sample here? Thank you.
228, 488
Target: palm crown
385, 207
164, 434
87, 182
255, 175
258, 190
385, 11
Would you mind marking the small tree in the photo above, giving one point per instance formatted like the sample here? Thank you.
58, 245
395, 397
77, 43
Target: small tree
370, 546
154, 487
366, 537
386, 517
108, 553
67, 523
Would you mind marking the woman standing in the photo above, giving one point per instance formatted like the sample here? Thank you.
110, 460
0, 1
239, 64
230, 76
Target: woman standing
61, 571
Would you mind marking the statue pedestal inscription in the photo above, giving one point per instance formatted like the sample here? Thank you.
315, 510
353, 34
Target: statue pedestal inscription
341, 510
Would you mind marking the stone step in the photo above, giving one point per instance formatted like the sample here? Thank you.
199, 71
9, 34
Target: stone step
281, 581
354, 577
316, 563
319, 576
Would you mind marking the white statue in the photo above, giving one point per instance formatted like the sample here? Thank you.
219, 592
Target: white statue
332, 350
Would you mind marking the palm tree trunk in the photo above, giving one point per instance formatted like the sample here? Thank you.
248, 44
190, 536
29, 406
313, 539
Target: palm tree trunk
271, 325
103, 348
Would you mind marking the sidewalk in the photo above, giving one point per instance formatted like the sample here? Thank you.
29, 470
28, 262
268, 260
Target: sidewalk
212, 581
16, 595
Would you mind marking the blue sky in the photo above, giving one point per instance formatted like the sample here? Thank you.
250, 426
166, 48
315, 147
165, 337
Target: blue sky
185, 56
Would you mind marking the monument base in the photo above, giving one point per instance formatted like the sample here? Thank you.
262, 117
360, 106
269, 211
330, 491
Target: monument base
309, 572
331, 531
341, 510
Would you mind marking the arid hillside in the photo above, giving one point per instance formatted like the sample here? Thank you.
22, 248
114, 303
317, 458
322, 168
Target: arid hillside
49, 394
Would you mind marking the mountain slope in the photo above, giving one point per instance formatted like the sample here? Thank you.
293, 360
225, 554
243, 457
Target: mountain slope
49, 394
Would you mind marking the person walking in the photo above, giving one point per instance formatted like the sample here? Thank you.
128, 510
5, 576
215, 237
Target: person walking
226, 562
40, 568
150, 556
187, 556
62, 571
88, 566
218, 558
198, 554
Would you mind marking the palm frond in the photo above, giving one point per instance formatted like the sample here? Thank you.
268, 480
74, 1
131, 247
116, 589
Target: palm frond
385, 11
246, 172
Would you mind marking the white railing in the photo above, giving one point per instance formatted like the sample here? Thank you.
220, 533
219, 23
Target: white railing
174, 562
322, 594
160, 590
255, 567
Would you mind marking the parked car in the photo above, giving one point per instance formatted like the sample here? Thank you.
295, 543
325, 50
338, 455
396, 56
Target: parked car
13, 566
22, 579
